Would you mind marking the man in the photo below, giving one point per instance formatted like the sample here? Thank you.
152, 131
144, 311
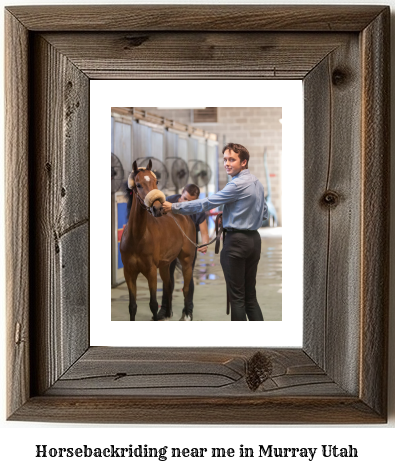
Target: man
191, 192
244, 210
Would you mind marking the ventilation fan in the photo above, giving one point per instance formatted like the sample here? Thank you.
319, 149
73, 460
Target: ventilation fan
117, 174
200, 173
179, 172
158, 168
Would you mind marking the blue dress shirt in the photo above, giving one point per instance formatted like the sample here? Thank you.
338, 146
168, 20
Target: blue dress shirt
244, 203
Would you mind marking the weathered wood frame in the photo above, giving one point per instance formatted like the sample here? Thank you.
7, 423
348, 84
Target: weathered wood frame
340, 374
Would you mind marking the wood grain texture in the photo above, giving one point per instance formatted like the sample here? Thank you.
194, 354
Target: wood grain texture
74, 293
60, 213
196, 18
200, 55
198, 410
317, 115
339, 376
333, 169
17, 213
375, 211
192, 372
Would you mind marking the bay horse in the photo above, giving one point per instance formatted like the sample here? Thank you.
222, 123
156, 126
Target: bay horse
152, 240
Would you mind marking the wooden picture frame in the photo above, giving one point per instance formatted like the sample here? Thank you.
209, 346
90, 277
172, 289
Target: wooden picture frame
340, 373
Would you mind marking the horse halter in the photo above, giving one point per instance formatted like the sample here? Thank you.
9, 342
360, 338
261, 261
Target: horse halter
140, 200
151, 197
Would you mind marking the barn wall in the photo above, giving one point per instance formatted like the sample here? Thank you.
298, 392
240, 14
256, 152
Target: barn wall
255, 128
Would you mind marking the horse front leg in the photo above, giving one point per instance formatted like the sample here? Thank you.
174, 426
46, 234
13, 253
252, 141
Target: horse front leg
131, 279
152, 278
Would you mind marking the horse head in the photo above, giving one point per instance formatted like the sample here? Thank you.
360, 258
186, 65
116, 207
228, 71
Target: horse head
144, 181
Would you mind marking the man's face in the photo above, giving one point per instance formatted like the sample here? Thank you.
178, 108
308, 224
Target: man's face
185, 196
232, 163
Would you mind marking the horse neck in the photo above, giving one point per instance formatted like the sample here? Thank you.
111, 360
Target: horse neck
137, 223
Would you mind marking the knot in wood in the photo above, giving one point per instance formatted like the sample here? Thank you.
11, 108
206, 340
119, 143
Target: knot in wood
120, 375
259, 369
135, 41
339, 77
330, 198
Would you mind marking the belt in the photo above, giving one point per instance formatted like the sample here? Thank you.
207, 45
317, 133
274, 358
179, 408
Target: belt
238, 231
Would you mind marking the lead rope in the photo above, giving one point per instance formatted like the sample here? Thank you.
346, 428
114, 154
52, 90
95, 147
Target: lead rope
140, 201
218, 230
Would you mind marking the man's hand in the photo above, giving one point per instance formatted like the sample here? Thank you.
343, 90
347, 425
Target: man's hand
166, 207
203, 249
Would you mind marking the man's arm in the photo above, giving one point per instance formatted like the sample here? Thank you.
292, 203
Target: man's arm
204, 231
228, 194
166, 206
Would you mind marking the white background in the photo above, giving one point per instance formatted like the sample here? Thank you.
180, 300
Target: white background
285, 94
18, 440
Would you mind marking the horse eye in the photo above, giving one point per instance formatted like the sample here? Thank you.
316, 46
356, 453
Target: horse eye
138, 185
157, 182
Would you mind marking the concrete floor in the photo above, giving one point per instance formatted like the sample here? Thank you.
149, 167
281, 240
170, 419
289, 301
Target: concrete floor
210, 287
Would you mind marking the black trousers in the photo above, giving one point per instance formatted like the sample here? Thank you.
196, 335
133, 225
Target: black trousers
239, 260
165, 301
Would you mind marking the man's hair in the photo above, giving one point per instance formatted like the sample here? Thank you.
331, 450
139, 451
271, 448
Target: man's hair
192, 189
241, 151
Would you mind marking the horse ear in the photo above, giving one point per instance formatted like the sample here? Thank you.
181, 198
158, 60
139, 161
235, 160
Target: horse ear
149, 166
135, 169
130, 181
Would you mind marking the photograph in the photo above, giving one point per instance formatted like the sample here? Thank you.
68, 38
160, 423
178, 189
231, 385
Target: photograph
333, 259
196, 194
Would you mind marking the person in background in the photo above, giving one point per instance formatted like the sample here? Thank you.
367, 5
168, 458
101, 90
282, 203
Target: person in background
189, 193
244, 211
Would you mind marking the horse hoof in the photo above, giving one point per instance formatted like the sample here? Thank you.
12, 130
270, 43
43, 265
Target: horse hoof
163, 315
186, 317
